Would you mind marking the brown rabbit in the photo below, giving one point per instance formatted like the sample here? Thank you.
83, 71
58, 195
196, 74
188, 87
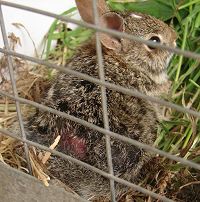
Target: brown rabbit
127, 63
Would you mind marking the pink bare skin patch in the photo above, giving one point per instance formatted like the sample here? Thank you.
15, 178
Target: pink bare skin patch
75, 145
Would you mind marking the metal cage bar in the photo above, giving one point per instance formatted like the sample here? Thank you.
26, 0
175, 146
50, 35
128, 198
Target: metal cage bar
103, 85
178, 51
118, 88
100, 172
104, 131
104, 101
14, 88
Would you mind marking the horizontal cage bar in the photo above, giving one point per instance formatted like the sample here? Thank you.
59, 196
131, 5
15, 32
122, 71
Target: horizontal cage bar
109, 176
178, 51
104, 131
121, 89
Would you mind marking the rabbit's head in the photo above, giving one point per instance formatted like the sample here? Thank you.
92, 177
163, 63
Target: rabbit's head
152, 60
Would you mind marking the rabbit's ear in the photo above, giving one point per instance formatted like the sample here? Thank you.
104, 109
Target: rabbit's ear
86, 11
114, 21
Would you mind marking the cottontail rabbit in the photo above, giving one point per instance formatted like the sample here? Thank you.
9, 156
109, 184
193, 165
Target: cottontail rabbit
127, 63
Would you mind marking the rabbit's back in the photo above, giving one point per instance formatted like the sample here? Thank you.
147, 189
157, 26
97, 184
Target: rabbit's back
129, 116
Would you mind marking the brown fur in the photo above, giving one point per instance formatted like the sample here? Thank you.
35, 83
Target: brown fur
135, 66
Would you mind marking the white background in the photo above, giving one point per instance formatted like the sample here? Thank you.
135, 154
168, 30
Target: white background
37, 25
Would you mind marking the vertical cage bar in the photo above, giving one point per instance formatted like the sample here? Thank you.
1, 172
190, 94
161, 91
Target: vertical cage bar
13, 82
104, 101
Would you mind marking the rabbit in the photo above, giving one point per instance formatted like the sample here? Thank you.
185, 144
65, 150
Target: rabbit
127, 63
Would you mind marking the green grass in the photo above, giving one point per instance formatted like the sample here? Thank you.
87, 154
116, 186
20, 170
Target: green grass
66, 39
179, 135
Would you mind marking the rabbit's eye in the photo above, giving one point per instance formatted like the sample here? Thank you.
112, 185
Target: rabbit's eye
155, 39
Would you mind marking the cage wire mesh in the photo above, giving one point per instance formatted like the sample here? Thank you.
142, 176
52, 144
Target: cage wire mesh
104, 84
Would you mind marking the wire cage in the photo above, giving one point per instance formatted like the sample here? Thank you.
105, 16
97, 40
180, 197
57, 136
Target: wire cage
104, 84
